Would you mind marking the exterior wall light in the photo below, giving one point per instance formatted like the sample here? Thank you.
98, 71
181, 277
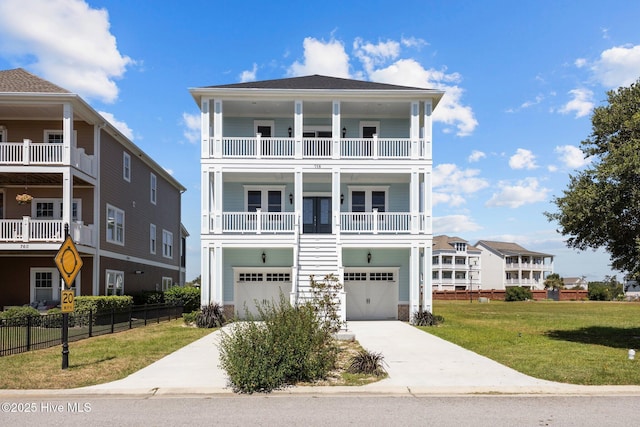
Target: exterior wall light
291, 198
264, 257
344, 132
290, 131
369, 257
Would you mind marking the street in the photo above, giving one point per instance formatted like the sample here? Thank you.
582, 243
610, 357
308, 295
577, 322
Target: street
320, 410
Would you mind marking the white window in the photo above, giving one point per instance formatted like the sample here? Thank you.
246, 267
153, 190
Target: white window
264, 128
167, 282
53, 136
153, 182
460, 246
115, 225
167, 244
53, 208
126, 167
267, 199
44, 284
368, 129
152, 238
114, 282
366, 199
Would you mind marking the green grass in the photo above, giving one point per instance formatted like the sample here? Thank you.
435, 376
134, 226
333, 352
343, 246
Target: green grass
572, 342
96, 360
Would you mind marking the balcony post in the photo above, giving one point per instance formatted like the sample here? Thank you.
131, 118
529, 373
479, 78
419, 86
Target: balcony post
258, 221
26, 143
297, 128
68, 142
375, 146
375, 220
415, 130
258, 145
427, 134
335, 129
26, 231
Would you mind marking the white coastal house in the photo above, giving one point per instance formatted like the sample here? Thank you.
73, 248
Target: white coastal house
506, 264
455, 265
317, 175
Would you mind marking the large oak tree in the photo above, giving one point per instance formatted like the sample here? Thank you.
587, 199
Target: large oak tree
601, 206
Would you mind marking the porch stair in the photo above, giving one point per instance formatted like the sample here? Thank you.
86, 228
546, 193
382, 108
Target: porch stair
317, 256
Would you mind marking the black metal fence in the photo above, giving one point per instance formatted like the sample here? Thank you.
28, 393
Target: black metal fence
36, 332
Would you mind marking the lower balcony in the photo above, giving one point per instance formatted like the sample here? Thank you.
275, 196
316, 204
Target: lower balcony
37, 153
29, 230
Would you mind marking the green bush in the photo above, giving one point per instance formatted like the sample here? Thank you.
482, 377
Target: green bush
187, 296
210, 316
426, 318
148, 297
190, 318
84, 304
517, 293
18, 316
288, 346
605, 291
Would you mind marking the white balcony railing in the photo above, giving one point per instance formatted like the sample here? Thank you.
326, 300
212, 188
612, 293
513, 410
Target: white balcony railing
349, 148
258, 222
29, 153
375, 222
28, 230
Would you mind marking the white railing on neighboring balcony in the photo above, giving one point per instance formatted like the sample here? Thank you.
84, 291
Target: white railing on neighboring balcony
28, 230
320, 148
375, 222
29, 153
258, 222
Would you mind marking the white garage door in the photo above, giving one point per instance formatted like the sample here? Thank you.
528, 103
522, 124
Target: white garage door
259, 287
371, 295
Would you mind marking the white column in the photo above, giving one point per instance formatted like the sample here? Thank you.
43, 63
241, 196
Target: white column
335, 200
217, 201
67, 133
336, 133
67, 197
218, 274
298, 128
427, 279
297, 199
428, 128
415, 130
428, 203
217, 129
205, 129
97, 212
414, 201
205, 274
414, 280
206, 198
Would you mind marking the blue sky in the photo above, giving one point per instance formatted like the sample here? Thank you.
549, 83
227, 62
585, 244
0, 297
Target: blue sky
521, 79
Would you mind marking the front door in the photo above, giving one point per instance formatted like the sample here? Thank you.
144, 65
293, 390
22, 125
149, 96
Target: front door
316, 215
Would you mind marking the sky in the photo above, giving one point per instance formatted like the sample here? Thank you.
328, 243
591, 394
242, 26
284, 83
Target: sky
521, 79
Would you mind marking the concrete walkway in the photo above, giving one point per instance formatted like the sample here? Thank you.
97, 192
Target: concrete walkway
417, 363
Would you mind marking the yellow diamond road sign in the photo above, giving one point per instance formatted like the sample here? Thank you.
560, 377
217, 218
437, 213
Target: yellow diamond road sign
68, 261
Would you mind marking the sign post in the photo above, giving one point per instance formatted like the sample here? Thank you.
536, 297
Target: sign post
69, 264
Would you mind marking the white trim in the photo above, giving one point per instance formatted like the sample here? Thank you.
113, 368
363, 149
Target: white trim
114, 241
367, 195
264, 196
153, 188
167, 242
57, 208
118, 274
164, 285
55, 282
368, 123
153, 238
267, 123
132, 259
126, 168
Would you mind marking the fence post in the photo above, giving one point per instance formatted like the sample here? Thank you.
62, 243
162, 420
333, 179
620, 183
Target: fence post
29, 333
90, 322
113, 318
130, 316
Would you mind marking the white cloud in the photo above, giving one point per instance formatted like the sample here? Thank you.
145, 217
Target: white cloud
580, 62
381, 64
249, 75
581, 104
118, 124
523, 159
572, 156
65, 41
323, 58
475, 156
413, 42
524, 192
191, 131
618, 66
452, 224
450, 184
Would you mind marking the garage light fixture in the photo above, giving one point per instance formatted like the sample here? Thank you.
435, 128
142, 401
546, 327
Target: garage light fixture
291, 198
264, 257
369, 257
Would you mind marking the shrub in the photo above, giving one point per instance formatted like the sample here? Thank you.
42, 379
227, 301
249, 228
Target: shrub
148, 297
210, 316
367, 363
190, 318
17, 316
287, 347
517, 293
83, 304
187, 296
325, 300
426, 318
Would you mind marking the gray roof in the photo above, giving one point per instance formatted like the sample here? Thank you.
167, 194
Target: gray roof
316, 81
19, 80
509, 248
446, 243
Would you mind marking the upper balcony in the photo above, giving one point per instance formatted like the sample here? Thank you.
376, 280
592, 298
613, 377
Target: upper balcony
28, 153
259, 147
27, 231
